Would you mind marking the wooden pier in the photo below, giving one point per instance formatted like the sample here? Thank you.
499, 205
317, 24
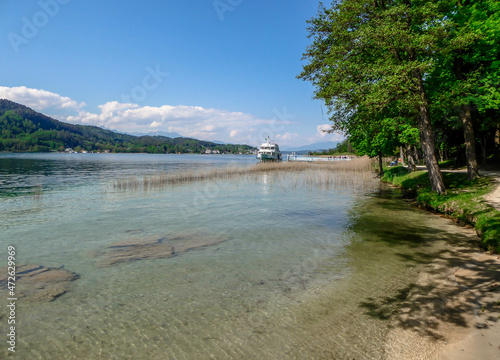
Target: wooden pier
294, 157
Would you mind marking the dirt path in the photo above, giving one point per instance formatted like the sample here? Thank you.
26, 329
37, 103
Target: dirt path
482, 281
493, 198
453, 312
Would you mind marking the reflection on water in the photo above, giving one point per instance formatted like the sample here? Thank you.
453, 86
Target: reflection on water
273, 266
22, 173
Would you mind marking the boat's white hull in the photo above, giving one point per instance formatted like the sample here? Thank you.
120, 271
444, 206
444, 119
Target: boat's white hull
270, 157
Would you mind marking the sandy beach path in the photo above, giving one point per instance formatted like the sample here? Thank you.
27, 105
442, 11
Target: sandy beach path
483, 282
453, 310
493, 198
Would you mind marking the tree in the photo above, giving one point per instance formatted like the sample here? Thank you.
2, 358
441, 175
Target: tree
369, 58
377, 140
466, 53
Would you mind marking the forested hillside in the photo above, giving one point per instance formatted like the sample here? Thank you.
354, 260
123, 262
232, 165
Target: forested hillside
23, 129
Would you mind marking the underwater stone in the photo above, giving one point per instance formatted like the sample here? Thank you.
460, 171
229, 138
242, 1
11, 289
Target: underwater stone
137, 248
35, 283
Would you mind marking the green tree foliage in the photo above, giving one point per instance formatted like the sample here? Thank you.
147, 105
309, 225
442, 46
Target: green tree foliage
22, 129
375, 139
464, 86
377, 65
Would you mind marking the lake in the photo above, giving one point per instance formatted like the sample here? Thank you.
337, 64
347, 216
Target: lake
269, 266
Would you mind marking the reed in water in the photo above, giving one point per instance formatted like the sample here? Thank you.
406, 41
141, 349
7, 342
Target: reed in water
317, 171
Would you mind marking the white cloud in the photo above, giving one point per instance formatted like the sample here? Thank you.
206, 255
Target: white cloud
323, 134
286, 137
38, 100
209, 128
191, 121
322, 129
113, 106
336, 136
234, 133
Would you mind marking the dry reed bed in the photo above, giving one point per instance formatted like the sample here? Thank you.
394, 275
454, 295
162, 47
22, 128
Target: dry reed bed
319, 171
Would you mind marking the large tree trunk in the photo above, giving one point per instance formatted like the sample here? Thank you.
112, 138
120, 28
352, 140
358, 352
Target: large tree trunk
411, 161
497, 137
470, 143
497, 141
465, 116
415, 151
427, 139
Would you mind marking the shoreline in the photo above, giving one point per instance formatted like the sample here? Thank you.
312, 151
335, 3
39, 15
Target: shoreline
451, 313
453, 310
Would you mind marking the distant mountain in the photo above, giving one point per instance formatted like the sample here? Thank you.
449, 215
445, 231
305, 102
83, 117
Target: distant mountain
25, 130
172, 135
319, 146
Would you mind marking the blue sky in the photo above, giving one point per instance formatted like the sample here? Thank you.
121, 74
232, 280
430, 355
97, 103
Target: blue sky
211, 69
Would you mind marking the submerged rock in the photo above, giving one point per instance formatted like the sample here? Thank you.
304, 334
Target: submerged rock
36, 283
154, 248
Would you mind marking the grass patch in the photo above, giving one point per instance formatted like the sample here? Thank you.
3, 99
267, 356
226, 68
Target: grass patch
462, 201
357, 166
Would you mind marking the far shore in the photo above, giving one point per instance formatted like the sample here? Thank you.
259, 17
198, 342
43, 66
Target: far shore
112, 153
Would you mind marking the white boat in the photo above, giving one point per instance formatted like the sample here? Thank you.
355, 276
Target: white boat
269, 151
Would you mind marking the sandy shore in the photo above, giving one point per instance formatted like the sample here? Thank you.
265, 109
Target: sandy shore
453, 311
483, 340
494, 197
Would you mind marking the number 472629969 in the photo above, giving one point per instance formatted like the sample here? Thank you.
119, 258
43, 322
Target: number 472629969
11, 270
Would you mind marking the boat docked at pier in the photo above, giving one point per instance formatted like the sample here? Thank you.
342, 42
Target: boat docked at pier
269, 151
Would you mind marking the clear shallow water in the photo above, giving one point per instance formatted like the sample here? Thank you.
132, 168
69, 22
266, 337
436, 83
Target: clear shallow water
301, 272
